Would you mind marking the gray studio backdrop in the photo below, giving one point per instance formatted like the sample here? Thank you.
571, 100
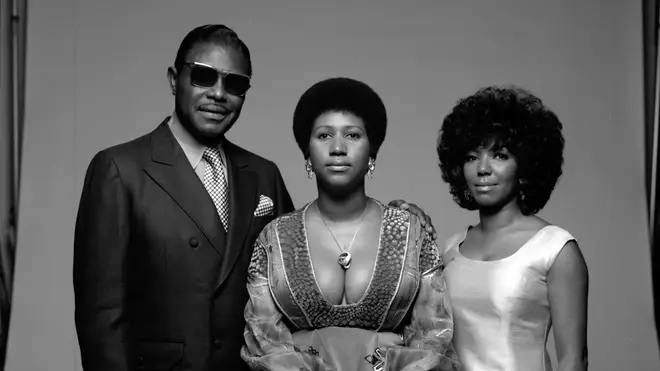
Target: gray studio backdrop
96, 76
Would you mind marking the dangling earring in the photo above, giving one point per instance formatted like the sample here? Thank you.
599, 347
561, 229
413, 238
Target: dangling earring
309, 168
521, 192
468, 195
372, 168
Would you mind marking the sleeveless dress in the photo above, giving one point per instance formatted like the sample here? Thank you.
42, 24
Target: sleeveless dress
501, 308
402, 322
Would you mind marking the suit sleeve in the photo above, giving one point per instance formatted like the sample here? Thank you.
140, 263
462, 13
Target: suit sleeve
283, 202
99, 266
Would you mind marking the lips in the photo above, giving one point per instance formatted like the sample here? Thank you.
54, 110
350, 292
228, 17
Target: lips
338, 166
484, 187
214, 113
214, 109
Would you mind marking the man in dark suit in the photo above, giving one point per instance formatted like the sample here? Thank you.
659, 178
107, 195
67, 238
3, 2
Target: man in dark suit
166, 224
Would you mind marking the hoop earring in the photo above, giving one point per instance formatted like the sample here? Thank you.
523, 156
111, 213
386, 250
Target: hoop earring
372, 168
309, 169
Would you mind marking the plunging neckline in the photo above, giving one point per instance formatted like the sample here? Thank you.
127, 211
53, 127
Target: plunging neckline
317, 287
310, 308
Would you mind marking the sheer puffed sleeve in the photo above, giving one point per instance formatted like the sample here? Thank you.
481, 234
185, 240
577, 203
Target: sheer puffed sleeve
428, 337
268, 341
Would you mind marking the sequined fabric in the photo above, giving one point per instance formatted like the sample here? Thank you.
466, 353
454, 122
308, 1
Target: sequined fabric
429, 255
259, 262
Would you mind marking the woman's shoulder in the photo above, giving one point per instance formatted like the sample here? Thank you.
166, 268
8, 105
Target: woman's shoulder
289, 222
547, 233
298, 213
394, 215
456, 239
549, 241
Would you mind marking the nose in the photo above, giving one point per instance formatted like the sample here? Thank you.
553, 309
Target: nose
338, 146
217, 91
483, 168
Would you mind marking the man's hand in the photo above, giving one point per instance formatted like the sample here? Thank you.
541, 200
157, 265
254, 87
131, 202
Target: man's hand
425, 219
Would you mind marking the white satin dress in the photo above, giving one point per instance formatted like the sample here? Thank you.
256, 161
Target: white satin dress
501, 309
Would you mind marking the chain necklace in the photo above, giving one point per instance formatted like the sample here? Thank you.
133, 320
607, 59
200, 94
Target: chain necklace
345, 257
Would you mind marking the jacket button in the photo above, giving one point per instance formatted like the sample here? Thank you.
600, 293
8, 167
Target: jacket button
193, 242
140, 362
217, 344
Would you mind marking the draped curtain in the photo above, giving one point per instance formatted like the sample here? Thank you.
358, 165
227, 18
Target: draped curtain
652, 138
12, 102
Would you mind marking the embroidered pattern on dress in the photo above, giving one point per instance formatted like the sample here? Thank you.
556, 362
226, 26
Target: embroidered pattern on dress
370, 311
429, 256
259, 261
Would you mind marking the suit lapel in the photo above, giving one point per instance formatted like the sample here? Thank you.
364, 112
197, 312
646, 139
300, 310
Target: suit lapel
243, 186
171, 170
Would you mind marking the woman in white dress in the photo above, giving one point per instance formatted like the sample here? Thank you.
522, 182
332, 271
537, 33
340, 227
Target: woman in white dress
513, 276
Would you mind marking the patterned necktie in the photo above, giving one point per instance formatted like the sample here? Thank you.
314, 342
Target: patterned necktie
216, 183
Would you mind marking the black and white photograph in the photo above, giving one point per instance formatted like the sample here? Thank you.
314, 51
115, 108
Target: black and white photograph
289, 185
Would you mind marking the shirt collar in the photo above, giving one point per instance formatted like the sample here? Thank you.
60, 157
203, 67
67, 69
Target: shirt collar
192, 148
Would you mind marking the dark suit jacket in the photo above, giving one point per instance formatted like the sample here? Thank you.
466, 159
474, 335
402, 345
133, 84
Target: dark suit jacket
158, 285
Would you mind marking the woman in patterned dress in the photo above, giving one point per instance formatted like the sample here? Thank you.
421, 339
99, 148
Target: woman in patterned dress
346, 283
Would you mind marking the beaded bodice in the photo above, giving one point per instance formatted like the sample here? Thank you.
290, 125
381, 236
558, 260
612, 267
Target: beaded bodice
401, 259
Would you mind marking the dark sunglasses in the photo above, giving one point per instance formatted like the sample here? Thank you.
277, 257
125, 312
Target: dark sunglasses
205, 76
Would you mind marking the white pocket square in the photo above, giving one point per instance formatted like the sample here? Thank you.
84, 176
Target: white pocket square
265, 206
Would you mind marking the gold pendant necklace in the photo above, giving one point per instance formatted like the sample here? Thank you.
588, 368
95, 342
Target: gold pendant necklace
345, 257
